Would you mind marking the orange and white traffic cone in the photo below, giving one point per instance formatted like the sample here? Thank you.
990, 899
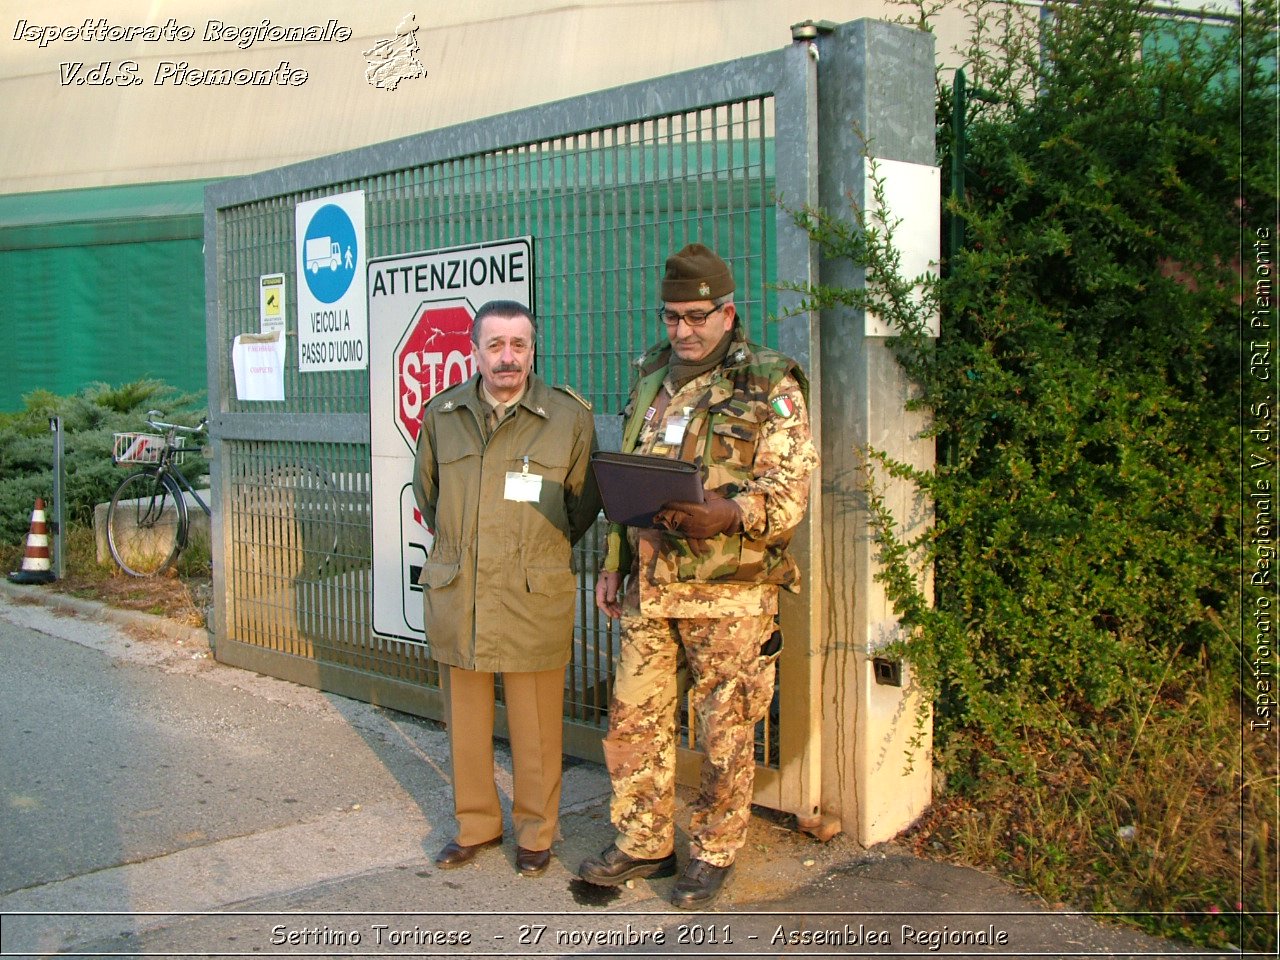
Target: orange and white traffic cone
35, 560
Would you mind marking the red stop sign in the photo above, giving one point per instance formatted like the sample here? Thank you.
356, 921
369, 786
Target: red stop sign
433, 355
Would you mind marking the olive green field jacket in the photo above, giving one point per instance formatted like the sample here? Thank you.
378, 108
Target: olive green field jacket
498, 583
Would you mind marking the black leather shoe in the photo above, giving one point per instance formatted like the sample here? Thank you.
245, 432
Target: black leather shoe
613, 867
532, 863
455, 854
699, 885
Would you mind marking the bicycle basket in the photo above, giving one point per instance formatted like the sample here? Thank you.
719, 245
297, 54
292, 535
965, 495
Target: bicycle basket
143, 448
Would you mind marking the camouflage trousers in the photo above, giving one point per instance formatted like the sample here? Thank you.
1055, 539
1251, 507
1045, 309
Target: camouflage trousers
730, 686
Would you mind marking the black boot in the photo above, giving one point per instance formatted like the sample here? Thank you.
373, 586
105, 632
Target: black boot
699, 885
613, 867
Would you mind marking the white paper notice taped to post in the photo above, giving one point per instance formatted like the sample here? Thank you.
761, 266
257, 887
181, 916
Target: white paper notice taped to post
258, 359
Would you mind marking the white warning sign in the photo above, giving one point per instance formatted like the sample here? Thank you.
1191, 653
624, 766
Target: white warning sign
421, 307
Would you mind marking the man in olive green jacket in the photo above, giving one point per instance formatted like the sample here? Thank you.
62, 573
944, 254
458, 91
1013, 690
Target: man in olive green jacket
502, 477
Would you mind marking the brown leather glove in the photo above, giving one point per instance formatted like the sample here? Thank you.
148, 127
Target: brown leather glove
698, 521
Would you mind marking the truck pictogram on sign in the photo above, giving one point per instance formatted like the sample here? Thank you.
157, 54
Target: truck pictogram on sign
323, 252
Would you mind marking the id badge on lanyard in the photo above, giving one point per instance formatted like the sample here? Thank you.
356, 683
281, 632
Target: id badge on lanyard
523, 487
673, 434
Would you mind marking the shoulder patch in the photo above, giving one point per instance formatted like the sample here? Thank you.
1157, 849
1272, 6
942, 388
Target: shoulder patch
564, 388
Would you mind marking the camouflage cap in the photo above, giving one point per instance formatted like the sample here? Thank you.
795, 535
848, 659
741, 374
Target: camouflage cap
695, 273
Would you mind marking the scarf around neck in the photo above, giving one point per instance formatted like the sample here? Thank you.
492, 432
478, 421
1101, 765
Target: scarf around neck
680, 372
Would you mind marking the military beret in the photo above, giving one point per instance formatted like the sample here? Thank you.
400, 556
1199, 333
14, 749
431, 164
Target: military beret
695, 273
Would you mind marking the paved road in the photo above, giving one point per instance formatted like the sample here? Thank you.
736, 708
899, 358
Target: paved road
159, 803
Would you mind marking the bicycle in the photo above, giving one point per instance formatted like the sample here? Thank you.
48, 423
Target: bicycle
148, 521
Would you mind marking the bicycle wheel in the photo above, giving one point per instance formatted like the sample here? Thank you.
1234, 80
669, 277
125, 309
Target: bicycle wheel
146, 524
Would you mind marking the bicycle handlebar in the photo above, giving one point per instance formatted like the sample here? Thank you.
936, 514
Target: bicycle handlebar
159, 425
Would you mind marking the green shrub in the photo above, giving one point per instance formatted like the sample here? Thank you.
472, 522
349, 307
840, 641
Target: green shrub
1084, 395
89, 420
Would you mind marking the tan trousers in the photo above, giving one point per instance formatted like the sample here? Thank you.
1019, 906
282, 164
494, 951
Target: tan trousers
535, 714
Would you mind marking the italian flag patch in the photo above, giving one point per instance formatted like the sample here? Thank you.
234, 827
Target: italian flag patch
783, 406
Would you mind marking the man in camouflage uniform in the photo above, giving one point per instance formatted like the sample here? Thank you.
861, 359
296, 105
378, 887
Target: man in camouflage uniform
702, 587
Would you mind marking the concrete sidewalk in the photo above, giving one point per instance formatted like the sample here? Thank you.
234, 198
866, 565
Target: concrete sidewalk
160, 803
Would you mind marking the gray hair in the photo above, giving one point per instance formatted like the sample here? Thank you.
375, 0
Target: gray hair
502, 308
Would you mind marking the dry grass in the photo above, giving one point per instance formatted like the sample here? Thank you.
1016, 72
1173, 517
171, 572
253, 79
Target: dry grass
181, 595
1165, 813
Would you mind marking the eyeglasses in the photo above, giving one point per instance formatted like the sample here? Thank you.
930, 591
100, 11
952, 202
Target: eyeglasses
694, 318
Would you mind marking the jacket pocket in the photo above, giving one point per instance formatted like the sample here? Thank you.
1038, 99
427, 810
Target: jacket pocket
550, 581
436, 574
456, 445
718, 558
551, 464
735, 431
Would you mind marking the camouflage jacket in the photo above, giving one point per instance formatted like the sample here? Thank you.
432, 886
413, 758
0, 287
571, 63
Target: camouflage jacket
747, 423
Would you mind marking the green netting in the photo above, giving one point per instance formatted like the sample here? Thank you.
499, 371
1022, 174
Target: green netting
111, 313
103, 284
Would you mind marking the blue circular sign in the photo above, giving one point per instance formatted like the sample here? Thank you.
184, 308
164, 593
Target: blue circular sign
329, 253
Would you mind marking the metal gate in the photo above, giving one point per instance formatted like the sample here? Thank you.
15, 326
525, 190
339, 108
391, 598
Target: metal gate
607, 185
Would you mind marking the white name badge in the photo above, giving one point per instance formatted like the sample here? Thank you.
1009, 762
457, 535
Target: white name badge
523, 487
676, 426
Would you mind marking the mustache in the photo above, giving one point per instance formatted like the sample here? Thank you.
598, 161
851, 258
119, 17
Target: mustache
508, 368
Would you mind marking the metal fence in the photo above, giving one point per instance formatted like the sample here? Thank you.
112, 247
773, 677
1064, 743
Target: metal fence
607, 185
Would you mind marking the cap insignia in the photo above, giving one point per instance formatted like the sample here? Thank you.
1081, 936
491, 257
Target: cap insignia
704, 289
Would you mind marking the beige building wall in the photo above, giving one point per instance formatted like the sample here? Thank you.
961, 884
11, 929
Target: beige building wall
481, 58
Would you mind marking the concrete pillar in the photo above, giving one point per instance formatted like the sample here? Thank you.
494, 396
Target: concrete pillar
876, 97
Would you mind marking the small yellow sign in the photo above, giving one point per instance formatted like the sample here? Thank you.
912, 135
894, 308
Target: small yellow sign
271, 302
